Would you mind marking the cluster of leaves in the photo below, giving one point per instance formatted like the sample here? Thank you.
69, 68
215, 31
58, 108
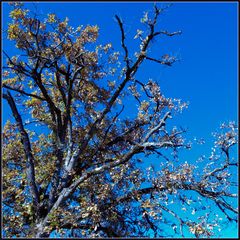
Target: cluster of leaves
78, 171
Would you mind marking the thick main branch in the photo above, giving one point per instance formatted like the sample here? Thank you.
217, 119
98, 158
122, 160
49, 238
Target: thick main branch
27, 149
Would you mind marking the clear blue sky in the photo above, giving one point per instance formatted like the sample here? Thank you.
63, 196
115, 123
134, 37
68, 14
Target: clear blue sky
207, 74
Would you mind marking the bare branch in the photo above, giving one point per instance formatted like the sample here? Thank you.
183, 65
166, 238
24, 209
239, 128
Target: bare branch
169, 34
126, 59
163, 62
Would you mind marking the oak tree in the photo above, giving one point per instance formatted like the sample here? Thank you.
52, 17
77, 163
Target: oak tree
72, 157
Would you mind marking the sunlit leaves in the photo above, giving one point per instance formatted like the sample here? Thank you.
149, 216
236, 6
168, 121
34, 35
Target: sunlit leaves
90, 34
139, 33
145, 18
18, 13
51, 18
13, 31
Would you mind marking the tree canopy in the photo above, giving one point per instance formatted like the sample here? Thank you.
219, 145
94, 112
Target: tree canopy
72, 158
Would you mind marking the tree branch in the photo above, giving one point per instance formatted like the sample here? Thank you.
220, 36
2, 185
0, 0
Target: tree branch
165, 62
27, 149
169, 34
156, 128
23, 92
126, 59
